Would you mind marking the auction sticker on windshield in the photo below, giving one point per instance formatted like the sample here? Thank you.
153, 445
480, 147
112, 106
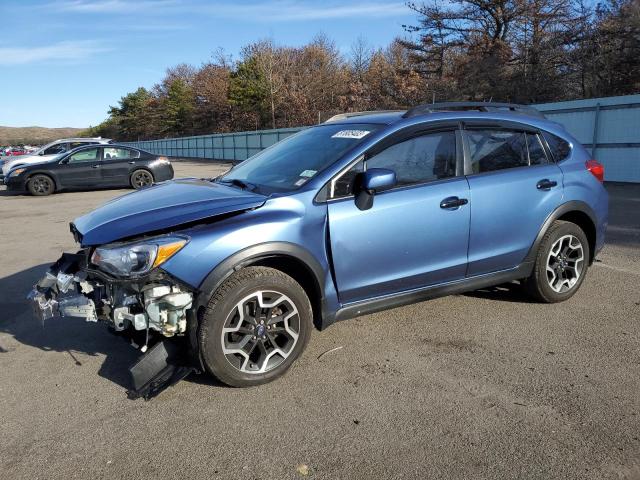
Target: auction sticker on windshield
350, 134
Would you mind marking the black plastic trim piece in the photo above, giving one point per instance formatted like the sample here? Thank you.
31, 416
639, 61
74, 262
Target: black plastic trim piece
249, 255
405, 298
570, 206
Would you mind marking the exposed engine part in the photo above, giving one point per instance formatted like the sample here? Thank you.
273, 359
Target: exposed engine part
157, 306
43, 308
120, 314
69, 301
77, 305
68, 289
166, 307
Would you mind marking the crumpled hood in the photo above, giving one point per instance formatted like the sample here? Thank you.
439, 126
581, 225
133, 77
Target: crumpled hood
162, 206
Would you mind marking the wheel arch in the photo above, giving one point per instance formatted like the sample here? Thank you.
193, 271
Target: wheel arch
56, 183
576, 212
288, 258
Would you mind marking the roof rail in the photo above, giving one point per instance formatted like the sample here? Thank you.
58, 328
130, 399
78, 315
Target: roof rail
477, 106
344, 116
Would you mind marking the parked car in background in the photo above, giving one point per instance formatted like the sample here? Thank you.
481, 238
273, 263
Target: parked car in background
362, 213
15, 152
49, 151
91, 166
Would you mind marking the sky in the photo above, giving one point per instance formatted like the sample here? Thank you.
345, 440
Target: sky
63, 62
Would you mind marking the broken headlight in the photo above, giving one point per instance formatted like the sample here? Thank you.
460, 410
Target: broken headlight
138, 258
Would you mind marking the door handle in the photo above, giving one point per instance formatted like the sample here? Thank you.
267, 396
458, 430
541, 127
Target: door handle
453, 202
131, 163
95, 166
546, 184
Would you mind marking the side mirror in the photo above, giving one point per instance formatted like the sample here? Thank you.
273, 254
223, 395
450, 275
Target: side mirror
373, 180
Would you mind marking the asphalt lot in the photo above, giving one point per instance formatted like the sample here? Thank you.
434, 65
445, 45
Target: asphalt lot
482, 385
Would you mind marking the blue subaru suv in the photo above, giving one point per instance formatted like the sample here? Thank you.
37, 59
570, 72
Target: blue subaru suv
365, 212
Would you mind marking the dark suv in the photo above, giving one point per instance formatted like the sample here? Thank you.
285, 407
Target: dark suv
362, 213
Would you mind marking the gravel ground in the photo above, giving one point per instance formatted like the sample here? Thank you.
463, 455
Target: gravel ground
482, 385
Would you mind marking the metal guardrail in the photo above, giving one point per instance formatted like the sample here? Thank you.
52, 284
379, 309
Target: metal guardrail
609, 127
233, 147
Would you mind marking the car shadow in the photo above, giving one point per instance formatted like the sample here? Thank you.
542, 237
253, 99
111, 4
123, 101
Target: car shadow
506, 292
74, 336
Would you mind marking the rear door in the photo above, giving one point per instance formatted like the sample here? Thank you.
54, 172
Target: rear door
408, 239
514, 187
117, 164
82, 169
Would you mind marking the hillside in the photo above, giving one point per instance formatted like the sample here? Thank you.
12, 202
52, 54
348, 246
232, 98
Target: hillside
34, 135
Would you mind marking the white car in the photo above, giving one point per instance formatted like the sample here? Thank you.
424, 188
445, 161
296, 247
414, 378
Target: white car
47, 152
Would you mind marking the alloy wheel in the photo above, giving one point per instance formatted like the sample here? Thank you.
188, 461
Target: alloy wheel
260, 332
142, 179
565, 263
41, 185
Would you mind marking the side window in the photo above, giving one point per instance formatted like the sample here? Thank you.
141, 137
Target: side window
119, 153
84, 156
497, 150
343, 186
420, 159
56, 149
560, 149
537, 155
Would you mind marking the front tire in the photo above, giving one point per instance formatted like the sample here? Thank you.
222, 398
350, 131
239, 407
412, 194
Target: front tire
41, 185
255, 326
561, 263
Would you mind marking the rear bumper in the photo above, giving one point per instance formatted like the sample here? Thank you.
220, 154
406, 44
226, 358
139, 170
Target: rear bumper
163, 172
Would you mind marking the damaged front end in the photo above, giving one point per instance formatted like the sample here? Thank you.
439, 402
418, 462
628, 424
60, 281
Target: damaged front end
149, 308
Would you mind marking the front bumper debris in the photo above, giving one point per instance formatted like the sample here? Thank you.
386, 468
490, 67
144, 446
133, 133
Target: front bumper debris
154, 308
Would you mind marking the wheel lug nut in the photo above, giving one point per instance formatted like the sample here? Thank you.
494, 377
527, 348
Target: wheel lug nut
261, 322
254, 337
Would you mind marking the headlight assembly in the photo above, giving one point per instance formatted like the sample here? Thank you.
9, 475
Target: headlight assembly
137, 258
16, 172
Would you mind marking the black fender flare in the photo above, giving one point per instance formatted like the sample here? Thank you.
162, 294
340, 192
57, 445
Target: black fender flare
258, 252
570, 206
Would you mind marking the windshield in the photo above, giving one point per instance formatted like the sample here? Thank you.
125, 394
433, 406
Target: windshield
289, 164
42, 149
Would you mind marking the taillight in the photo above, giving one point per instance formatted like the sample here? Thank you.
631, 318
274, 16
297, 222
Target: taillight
596, 169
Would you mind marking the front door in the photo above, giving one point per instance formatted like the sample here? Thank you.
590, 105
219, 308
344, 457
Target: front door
514, 188
415, 234
82, 169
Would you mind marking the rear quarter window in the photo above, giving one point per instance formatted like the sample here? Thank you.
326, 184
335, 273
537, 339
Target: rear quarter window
560, 148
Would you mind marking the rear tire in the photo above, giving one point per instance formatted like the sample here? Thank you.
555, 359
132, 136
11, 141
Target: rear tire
561, 263
141, 179
41, 185
255, 326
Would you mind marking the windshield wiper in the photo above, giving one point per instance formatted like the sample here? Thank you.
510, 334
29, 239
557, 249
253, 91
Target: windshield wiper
239, 183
